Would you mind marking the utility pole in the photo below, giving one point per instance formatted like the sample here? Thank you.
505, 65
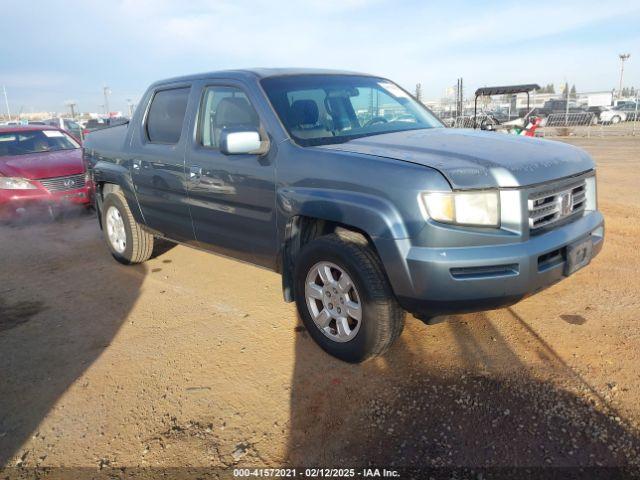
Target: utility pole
566, 107
130, 105
459, 99
6, 101
72, 106
106, 91
623, 58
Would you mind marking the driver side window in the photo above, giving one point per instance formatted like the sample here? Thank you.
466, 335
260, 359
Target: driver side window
225, 109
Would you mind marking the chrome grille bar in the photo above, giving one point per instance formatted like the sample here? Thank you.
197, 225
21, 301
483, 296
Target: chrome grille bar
550, 206
61, 184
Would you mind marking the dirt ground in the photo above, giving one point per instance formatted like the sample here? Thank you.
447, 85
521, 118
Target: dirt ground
195, 360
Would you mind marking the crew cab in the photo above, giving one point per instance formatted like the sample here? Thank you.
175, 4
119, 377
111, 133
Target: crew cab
349, 188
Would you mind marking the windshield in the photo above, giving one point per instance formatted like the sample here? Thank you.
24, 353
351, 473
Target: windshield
324, 109
35, 141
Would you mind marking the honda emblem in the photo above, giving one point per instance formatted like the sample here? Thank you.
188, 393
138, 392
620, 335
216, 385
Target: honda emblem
566, 204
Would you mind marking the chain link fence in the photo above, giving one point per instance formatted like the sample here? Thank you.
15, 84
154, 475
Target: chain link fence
584, 114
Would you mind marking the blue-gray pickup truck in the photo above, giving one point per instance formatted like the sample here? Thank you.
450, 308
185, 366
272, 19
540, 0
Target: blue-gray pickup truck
349, 188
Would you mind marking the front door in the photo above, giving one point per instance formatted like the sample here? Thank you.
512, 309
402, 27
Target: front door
231, 197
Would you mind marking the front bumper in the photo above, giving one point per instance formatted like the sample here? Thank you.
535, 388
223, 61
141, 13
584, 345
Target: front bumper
463, 279
16, 202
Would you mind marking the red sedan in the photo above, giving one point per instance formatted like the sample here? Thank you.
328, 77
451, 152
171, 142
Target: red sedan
40, 167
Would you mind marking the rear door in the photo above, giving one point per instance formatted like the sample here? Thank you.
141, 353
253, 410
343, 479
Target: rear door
158, 163
232, 197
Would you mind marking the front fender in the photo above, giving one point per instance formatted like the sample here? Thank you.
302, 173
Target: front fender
373, 215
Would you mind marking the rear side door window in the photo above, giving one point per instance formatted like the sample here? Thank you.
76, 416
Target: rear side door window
166, 115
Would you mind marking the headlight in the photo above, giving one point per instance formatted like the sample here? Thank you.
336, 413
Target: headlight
463, 208
14, 183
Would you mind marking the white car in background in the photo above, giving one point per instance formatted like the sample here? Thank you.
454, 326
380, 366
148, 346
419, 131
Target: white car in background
613, 115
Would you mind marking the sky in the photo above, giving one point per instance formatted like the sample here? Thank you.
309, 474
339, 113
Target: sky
53, 52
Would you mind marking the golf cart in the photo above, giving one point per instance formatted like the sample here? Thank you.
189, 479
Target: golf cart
518, 125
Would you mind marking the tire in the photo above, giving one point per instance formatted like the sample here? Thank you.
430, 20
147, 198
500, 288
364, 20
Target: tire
381, 318
615, 119
138, 244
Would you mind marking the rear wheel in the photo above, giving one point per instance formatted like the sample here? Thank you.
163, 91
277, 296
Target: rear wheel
616, 119
126, 239
344, 298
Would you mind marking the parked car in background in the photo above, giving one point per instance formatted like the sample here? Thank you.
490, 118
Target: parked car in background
94, 124
67, 124
613, 115
41, 168
626, 104
553, 106
362, 218
595, 111
631, 110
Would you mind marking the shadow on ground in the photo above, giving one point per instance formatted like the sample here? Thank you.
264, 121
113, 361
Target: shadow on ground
412, 413
52, 331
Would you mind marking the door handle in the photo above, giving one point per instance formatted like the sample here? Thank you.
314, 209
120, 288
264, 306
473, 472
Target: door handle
195, 172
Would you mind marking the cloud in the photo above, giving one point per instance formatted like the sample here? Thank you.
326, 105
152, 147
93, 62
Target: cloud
130, 43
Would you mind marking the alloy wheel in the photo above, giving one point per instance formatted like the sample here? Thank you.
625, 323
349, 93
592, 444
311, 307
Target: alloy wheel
115, 230
333, 301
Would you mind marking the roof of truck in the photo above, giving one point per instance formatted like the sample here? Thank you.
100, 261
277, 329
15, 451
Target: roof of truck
259, 73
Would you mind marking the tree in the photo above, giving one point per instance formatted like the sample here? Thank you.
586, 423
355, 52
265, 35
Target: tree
573, 93
548, 88
629, 92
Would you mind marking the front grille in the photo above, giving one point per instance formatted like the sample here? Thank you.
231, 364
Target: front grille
60, 184
550, 206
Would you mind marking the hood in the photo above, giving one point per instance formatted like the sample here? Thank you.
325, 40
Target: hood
476, 159
43, 164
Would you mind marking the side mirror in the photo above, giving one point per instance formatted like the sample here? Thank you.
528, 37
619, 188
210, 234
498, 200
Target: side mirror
237, 143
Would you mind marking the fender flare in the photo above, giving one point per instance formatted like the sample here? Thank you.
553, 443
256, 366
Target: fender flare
371, 215
105, 172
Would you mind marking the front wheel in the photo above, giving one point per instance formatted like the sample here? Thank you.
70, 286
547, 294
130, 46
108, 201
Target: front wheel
344, 298
615, 120
126, 240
